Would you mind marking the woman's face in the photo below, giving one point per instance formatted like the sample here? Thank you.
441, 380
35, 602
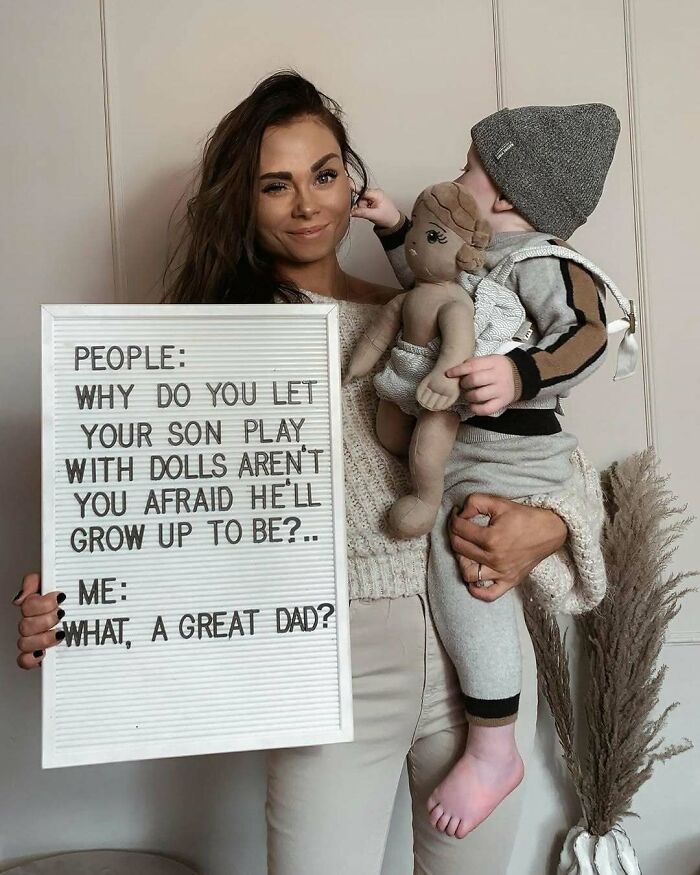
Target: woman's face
304, 192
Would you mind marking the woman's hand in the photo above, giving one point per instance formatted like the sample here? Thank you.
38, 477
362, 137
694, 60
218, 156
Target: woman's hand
517, 538
40, 613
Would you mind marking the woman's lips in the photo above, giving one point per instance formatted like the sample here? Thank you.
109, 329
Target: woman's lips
309, 233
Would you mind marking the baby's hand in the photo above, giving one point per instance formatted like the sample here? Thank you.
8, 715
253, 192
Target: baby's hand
378, 208
487, 381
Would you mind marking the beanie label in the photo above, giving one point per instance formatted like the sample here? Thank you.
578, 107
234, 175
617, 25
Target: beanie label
506, 147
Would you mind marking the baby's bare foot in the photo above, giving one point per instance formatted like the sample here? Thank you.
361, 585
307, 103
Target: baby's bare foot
487, 772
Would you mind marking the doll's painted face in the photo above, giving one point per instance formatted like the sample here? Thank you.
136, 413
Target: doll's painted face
431, 247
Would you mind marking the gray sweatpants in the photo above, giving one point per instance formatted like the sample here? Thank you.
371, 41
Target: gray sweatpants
481, 637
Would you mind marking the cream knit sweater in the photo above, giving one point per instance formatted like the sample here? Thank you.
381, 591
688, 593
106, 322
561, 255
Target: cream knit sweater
381, 566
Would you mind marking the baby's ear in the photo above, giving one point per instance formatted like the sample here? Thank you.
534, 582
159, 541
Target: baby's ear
469, 258
502, 205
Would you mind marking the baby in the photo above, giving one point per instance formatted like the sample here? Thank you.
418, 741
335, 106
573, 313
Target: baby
536, 173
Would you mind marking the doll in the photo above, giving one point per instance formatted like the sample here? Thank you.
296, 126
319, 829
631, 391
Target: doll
434, 322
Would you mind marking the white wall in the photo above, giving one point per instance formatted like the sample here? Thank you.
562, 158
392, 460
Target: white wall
105, 107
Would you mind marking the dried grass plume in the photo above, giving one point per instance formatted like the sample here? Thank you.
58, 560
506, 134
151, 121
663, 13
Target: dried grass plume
621, 640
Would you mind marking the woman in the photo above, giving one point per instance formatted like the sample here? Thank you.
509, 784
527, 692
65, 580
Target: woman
272, 206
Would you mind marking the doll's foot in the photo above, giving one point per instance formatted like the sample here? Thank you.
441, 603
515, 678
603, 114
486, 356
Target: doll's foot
411, 516
487, 772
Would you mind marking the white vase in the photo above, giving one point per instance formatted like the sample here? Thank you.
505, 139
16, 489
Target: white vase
586, 854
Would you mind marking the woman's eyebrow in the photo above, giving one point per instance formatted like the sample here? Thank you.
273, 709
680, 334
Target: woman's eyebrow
285, 174
317, 164
278, 174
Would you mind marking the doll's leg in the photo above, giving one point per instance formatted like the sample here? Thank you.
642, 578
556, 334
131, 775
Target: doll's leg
431, 445
394, 427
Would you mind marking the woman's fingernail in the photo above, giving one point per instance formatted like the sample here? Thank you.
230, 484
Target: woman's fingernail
61, 597
18, 595
61, 613
38, 653
60, 635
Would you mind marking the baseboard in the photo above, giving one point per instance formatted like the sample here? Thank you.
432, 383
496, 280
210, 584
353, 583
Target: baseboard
688, 637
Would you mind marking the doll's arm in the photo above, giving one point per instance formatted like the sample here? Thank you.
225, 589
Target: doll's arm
456, 323
375, 340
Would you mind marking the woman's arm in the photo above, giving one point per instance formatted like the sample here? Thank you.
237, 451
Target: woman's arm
554, 540
515, 541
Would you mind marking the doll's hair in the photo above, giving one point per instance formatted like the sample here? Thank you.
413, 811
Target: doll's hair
456, 209
217, 258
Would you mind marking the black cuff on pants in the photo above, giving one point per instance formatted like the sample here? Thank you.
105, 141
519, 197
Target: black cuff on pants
492, 709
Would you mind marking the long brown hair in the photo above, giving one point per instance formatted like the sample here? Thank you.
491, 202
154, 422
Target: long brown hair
217, 259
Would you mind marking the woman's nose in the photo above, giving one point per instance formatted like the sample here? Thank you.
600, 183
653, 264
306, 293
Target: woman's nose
305, 205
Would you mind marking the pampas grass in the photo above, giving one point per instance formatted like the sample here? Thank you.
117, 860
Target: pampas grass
621, 640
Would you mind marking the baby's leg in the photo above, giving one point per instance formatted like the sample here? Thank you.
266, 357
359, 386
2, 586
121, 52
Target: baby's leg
394, 427
481, 637
431, 445
482, 641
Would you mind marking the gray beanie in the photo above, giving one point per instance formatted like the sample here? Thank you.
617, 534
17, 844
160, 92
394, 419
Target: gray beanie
549, 161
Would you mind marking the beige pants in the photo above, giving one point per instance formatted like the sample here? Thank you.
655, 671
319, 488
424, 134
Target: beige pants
329, 807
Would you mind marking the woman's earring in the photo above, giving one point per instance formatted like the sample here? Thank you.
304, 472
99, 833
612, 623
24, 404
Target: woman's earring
353, 192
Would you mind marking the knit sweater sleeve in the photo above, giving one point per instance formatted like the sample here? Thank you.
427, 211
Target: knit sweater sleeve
573, 580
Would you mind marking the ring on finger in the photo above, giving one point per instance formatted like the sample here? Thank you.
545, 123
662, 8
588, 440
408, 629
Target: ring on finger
479, 582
